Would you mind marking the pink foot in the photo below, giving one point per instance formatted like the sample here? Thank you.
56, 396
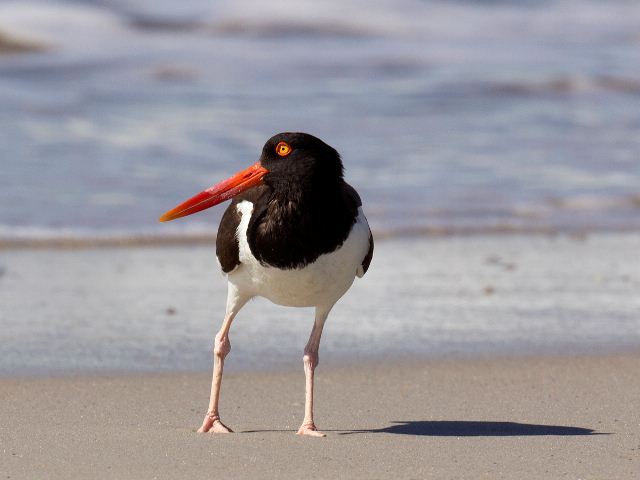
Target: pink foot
214, 425
310, 430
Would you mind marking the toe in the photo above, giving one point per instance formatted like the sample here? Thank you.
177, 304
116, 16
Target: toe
219, 427
206, 425
310, 431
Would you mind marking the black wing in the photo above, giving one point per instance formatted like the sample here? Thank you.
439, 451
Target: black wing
353, 195
227, 247
367, 259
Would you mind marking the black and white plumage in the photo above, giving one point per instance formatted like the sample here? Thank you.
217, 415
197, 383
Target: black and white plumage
294, 233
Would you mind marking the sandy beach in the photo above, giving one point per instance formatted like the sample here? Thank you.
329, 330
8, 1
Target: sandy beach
500, 363
574, 417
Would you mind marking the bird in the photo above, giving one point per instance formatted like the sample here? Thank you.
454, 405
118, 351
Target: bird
295, 234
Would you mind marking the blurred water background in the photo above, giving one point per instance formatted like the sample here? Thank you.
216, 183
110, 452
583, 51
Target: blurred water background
450, 115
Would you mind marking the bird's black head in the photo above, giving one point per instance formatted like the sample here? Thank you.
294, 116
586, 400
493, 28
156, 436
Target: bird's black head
291, 163
294, 157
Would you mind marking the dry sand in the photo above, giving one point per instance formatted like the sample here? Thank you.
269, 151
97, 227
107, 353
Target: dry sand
508, 418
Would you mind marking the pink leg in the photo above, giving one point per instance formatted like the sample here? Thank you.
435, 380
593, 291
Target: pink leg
221, 349
310, 360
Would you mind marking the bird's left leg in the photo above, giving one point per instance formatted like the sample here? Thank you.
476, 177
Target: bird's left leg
310, 360
222, 347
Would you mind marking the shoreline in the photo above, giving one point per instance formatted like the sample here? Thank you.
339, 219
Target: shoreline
136, 240
333, 364
506, 418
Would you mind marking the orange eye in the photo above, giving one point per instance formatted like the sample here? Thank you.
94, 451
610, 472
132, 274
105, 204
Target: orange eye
283, 149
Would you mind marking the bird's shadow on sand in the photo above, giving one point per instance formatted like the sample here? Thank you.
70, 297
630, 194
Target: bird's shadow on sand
459, 428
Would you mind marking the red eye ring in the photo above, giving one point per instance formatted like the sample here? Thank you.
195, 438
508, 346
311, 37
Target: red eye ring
283, 149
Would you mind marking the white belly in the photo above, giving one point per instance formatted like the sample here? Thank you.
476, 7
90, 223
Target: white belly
320, 283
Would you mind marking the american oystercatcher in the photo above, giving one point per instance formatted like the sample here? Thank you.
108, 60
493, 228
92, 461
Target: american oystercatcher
295, 234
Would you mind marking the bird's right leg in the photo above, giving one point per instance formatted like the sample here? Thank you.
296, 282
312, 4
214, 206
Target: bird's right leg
222, 347
310, 360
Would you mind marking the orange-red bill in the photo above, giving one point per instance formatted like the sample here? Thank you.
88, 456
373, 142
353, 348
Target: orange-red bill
218, 193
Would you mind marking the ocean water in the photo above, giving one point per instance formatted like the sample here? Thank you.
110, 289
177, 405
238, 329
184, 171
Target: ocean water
449, 115
455, 116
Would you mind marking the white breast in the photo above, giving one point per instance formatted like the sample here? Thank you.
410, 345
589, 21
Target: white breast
320, 283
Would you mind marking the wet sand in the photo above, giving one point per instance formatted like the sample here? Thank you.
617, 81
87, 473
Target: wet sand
574, 417
156, 309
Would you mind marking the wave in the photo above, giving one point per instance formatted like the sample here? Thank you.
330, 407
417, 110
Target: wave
57, 241
565, 84
10, 44
579, 214
290, 28
70, 29
270, 28
102, 28
104, 241
596, 203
